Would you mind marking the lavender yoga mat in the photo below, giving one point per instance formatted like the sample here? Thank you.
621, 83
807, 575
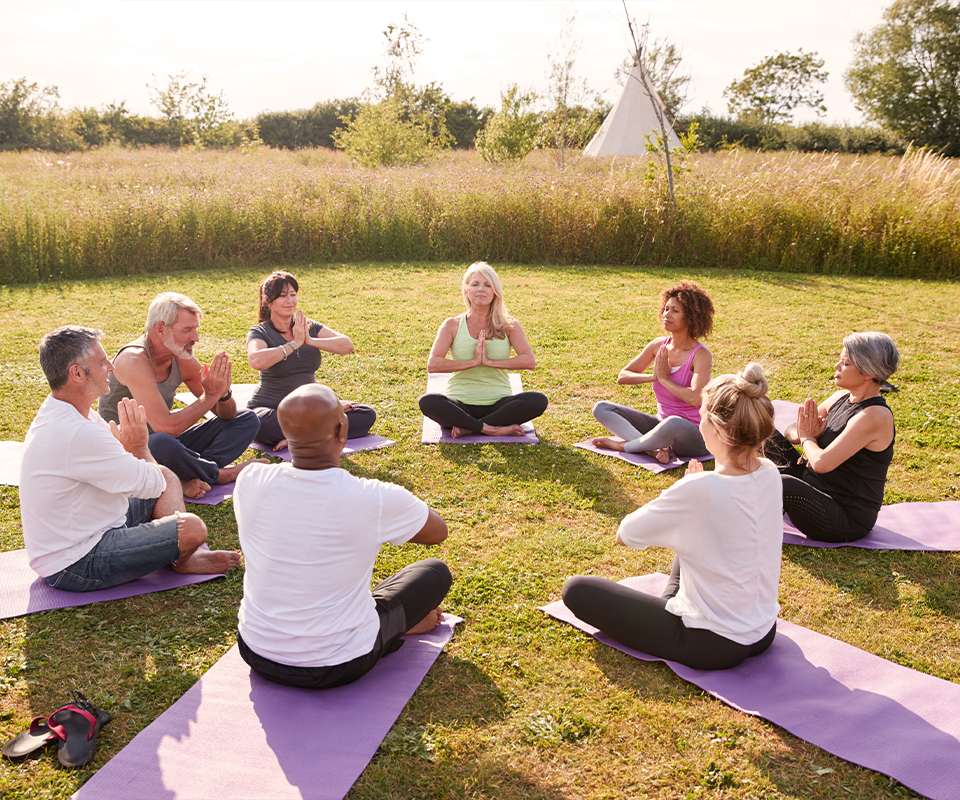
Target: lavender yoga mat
903, 526
641, 460
22, 592
234, 734
434, 434
853, 704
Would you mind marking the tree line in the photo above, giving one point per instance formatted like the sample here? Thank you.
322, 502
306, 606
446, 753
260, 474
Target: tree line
905, 77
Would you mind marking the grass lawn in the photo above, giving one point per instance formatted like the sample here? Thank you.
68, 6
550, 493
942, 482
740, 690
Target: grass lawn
519, 706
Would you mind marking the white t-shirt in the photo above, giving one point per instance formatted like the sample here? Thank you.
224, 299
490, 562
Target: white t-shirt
75, 480
727, 531
310, 539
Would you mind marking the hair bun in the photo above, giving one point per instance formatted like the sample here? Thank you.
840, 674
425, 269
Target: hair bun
751, 381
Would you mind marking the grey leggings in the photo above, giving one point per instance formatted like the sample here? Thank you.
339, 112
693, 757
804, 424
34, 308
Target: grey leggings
645, 432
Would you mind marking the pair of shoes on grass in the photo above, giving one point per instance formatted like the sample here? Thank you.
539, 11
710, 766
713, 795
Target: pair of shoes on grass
74, 727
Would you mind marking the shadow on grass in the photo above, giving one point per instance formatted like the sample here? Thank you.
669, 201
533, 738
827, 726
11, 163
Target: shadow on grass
595, 485
885, 579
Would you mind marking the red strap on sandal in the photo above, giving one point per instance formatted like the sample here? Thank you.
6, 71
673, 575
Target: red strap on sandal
59, 730
56, 731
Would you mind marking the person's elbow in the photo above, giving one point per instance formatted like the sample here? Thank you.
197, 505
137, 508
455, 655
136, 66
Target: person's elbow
347, 348
434, 530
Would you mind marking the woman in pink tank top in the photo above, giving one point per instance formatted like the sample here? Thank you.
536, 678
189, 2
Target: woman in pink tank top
681, 368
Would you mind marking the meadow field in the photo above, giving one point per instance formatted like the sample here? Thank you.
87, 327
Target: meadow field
113, 212
519, 706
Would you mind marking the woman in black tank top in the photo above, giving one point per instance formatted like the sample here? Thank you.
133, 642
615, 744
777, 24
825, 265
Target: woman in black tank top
833, 487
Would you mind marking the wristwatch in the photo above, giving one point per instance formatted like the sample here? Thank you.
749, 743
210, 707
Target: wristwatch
227, 396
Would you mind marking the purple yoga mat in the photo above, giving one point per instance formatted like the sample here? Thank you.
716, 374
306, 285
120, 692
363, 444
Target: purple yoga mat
234, 734
851, 703
641, 460
903, 526
784, 414
22, 592
434, 434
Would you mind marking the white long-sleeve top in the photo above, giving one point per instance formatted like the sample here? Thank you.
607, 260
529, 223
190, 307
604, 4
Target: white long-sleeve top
727, 531
75, 481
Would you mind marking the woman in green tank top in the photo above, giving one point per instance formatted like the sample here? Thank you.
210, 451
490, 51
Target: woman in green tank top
475, 347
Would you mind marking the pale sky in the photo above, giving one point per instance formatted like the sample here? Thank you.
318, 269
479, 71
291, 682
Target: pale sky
282, 55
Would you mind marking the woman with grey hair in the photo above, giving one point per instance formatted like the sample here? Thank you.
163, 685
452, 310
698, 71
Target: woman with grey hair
833, 488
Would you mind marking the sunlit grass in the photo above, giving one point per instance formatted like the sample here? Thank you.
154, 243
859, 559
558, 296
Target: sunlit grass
519, 706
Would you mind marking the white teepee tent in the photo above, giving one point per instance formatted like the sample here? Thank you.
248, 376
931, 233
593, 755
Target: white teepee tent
631, 119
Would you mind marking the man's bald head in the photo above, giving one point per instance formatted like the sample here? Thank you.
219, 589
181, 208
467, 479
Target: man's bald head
313, 422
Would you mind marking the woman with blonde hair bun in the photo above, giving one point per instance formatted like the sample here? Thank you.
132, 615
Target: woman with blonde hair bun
479, 398
726, 530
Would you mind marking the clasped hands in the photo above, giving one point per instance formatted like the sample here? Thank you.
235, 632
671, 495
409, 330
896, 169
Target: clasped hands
810, 425
480, 357
215, 376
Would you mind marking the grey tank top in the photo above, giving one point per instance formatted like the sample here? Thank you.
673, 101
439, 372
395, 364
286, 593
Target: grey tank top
107, 405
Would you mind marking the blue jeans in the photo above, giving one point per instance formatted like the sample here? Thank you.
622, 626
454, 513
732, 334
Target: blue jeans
123, 554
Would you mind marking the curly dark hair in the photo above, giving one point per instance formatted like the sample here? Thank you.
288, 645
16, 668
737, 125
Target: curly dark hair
697, 307
271, 288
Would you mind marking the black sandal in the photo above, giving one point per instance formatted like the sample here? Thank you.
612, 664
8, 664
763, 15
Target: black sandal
76, 725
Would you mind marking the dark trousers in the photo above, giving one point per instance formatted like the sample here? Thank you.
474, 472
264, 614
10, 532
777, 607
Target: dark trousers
360, 419
815, 513
515, 409
641, 621
202, 449
403, 600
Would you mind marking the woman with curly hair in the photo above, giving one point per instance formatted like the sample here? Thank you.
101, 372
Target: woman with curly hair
479, 398
681, 368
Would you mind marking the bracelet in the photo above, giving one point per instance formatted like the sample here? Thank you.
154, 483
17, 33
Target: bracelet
283, 351
807, 439
227, 396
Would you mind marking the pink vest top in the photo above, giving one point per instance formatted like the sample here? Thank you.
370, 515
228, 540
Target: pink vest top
668, 404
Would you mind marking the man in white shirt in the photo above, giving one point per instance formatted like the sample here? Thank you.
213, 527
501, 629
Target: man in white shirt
97, 510
310, 533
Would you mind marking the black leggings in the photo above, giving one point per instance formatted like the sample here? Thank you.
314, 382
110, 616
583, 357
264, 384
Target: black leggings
515, 409
403, 600
641, 621
815, 513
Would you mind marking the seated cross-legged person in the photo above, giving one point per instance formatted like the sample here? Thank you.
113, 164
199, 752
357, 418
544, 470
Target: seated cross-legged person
97, 509
151, 369
310, 534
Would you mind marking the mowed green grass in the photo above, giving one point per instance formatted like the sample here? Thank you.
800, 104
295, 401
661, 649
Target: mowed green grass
519, 706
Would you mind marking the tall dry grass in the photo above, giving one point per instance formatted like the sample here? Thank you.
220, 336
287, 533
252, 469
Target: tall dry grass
118, 212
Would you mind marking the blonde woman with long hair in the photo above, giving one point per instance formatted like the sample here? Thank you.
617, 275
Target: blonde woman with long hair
476, 347
725, 526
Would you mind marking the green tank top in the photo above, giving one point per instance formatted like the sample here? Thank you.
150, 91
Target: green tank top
478, 386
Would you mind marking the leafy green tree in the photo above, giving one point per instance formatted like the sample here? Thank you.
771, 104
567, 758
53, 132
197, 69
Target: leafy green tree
311, 127
379, 136
906, 72
771, 90
561, 129
30, 118
513, 132
464, 121
193, 113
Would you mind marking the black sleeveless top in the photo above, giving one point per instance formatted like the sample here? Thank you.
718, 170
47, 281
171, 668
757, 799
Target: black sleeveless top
857, 483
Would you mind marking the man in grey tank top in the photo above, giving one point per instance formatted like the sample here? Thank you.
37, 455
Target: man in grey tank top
151, 369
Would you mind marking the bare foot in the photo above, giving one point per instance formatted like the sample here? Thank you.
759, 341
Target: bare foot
207, 562
229, 474
662, 455
195, 489
280, 445
429, 622
608, 443
456, 433
503, 430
